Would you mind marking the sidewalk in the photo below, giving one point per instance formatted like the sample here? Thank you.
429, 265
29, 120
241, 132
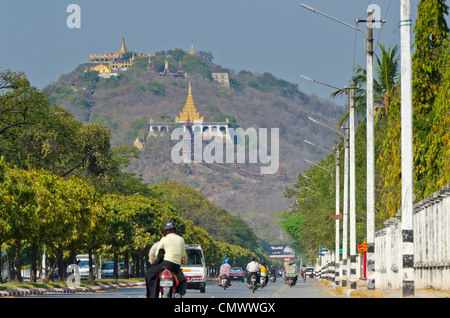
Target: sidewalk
363, 292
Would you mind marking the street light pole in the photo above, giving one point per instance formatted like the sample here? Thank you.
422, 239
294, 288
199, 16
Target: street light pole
345, 209
337, 218
370, 208
370, 140
346, 173
352, 187
337, 243
317, 165
406, 150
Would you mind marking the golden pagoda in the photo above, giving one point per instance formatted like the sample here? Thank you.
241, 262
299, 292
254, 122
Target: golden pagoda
192, 52
123, 48
189, 111
101, 68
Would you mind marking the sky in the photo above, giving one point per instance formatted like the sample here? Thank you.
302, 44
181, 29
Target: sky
276, 36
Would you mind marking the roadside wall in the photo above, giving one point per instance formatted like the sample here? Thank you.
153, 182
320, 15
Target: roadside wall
431, 246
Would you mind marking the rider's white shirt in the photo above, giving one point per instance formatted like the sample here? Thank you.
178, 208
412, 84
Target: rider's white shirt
253, 267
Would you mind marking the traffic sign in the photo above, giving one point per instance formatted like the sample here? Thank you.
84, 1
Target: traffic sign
362, 247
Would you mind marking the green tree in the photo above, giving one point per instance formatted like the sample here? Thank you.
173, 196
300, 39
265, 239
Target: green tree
438, 140
428, 61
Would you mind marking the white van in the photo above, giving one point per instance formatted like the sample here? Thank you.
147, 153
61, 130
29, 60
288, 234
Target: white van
83, 263
195, 269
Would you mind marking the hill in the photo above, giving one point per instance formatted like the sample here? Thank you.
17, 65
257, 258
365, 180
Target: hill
128, 102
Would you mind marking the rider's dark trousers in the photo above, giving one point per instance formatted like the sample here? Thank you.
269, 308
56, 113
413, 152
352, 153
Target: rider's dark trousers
151, 278
250, 275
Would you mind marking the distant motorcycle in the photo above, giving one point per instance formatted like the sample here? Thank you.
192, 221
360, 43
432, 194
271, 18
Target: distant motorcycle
273, 278
290, 281
224, 281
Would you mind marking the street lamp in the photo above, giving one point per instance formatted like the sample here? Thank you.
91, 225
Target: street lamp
407, 150
370, 140
322, 124
314, 164
349, 146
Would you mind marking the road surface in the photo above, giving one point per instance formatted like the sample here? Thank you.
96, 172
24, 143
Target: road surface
309, 289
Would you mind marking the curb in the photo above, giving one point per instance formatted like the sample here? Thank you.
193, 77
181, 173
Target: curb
66, 290
352, 293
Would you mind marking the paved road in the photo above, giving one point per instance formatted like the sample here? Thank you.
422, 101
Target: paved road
309, 289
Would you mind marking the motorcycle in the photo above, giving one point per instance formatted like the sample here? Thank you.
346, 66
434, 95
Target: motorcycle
273, 278
290, 281
224, 282
262, 281
253, 283
167, 284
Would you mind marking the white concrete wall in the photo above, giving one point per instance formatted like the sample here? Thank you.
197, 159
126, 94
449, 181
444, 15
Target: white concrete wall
431, 246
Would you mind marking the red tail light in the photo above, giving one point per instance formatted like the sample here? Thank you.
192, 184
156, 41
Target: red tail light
166, 275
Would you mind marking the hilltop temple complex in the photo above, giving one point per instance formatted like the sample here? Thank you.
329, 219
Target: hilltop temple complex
109, 64
190, 114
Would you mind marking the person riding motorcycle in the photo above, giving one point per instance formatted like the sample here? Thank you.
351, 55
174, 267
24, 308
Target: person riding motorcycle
264, 270
225, 269
293, 274
304, 269
252, 268
174, 255
273, 272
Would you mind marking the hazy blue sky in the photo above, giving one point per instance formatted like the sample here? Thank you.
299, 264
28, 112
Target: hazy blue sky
276, 36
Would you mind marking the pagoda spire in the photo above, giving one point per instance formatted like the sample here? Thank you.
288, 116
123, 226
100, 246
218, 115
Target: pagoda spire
123, 48
189, 111
180, 69
166, 67
192, 52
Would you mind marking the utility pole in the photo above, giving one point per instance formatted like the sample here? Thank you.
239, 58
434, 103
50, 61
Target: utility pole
345, 135
345, 209
370, 209
406, 150
352, 188
370, 157
336, 260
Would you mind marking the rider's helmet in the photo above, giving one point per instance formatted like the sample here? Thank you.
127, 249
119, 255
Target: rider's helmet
252, 258
263, 261
170, 225
226, 261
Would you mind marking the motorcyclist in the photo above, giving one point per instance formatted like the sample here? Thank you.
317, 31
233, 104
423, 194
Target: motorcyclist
264, 270
304, 269
293, 266
174, 255
225, 269
252, 268
273, 272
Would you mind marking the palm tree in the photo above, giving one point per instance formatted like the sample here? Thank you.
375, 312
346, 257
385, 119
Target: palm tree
386, 84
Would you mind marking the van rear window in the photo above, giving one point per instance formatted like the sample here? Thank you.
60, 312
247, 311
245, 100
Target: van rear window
194, 258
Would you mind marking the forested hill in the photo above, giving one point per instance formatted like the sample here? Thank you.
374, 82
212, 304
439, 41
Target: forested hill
128, 102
